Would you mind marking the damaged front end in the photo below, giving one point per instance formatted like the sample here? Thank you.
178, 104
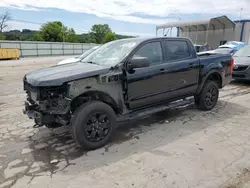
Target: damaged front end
48, 106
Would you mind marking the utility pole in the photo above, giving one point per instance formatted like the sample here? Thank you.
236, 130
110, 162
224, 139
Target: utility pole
62, 32
241, 10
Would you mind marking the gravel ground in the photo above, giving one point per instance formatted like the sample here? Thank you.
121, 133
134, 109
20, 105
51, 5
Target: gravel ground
184, 147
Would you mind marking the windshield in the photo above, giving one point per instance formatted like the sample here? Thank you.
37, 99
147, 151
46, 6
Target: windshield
243, 52
111, 53
85, 54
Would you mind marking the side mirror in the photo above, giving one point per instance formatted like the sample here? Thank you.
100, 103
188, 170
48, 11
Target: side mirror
138, 62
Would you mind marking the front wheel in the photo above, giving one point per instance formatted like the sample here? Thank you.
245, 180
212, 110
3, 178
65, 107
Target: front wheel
93, 124
208, 97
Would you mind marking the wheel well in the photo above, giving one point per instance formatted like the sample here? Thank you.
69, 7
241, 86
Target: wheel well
94, 95
216, 77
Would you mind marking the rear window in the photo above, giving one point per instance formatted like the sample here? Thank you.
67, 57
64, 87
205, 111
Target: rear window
177, 50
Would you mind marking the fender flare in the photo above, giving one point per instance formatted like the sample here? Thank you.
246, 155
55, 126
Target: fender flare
205, 78
101, 96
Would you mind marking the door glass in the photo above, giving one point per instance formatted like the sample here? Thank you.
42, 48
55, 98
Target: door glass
177, 50
152, 51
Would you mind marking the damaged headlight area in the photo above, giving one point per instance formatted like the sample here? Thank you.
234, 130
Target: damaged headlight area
47, 105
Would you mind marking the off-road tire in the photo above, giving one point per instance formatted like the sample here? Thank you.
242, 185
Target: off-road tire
79, 123
201, 99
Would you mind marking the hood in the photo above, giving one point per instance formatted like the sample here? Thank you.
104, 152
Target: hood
242, 60
69, 60
57, 75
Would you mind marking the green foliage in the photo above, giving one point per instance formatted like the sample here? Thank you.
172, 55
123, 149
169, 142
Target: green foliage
70, 35
37, 37
85, 38
109, 36
2, 37
24, 35
52, 31
124, 36
57, 32
98, 32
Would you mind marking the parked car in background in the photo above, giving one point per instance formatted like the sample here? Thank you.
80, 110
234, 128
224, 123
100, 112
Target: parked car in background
230, 47
197, 47
201, 48
218, 51
123, 80
233, 46
78, 58
236, 45
241, 69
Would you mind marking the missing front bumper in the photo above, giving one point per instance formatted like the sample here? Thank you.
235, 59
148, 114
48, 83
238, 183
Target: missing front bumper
39, 118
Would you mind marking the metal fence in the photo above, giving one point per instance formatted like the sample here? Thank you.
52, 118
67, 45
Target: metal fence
37, 48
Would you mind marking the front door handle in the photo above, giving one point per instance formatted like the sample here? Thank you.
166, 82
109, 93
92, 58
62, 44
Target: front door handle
191, 65
162, 70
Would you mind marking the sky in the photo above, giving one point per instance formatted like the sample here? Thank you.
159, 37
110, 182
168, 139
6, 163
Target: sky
128, 17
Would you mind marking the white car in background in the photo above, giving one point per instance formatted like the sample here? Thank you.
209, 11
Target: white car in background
78, 58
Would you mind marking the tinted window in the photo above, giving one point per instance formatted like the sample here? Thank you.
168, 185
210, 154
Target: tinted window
177, 50
152, 51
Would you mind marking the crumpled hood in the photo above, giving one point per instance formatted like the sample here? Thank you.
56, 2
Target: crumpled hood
242, 60
57, 75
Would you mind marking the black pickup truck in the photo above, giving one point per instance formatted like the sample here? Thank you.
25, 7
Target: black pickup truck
122, 80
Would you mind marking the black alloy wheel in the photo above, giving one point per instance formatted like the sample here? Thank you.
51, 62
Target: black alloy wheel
208, 97
97, 127
93, 124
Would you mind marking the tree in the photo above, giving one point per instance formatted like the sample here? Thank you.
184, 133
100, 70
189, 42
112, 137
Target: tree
37, 37
13, 35
98, 32
4, 18
52, 31
85, 38
57, 32
70, 35
109, 36
2, 37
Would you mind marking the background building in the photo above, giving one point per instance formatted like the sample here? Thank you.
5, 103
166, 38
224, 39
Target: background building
214, 31
243, 30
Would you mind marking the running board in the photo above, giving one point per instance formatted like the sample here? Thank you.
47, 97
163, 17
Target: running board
153, 110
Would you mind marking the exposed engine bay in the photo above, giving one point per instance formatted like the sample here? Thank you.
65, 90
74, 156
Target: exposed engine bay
47, 105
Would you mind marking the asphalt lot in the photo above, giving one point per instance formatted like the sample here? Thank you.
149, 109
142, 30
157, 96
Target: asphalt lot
182, 148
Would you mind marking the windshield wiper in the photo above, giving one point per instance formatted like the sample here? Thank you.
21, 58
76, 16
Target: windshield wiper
91, 62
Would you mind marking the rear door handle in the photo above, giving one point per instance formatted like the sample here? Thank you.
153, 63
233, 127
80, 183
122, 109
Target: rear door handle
162, 70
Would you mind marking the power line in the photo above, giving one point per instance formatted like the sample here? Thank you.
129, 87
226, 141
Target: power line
24, 21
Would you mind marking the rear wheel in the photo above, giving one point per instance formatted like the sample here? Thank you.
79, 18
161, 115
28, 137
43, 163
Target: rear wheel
208, 97
93, 124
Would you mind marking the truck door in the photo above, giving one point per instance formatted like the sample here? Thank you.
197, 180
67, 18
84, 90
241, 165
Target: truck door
182, 68
145, 84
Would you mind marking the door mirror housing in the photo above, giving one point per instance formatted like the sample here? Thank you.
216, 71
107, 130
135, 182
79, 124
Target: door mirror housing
138, 62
